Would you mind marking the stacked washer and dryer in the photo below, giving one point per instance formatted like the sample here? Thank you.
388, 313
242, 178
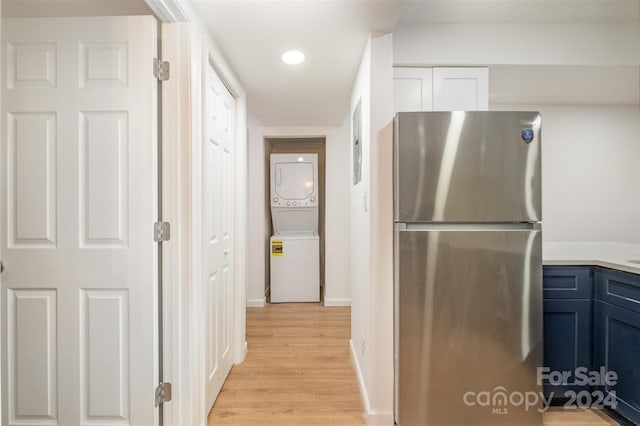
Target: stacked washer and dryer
295, 245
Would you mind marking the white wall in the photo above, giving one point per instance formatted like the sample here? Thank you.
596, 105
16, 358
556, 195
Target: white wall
256, 214
1, 130
381, 314
337, 218
590, 172
559, 43
372, 234
337, 291
360, 237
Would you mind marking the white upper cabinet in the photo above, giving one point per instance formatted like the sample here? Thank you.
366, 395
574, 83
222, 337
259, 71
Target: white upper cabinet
441, 89
412, 89
460, 89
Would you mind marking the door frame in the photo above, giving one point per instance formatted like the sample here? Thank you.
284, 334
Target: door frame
188, 48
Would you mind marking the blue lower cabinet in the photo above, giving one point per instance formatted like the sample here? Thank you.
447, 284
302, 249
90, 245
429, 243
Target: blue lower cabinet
617, 348
567, 343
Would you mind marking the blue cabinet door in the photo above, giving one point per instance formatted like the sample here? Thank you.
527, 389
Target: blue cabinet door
567, 341
567, 282
618, 288
617, 348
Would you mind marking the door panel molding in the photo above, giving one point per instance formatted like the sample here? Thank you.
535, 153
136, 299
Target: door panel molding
32, 356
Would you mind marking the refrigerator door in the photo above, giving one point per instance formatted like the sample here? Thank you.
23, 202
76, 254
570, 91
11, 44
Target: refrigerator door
468, 308
480, 166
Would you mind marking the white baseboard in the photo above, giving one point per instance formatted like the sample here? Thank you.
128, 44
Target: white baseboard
359, 377
255, 303
372, 417
379, 418
337, 302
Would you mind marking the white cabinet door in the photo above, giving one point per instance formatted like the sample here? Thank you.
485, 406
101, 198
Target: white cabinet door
218, 171
461, 89
412, 89
79, 183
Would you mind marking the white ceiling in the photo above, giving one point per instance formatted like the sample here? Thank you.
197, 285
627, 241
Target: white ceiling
331, 33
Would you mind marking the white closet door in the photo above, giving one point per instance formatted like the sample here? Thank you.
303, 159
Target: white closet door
461, 89
412, 89
78, 206
218, 169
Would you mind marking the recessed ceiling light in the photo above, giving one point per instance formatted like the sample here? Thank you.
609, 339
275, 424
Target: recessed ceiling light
292, 57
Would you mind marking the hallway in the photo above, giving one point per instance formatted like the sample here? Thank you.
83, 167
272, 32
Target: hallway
297, 371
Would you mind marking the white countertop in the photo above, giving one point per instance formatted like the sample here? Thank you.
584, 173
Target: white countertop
606, 254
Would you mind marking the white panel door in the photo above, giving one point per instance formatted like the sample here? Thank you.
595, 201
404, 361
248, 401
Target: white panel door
217, 288
78, 206
461, 89
412, 89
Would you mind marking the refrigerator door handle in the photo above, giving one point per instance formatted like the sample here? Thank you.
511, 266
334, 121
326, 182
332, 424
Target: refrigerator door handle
476, 226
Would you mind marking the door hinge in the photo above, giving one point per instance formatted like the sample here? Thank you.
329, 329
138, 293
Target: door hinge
160, 69
163, 393
161, 232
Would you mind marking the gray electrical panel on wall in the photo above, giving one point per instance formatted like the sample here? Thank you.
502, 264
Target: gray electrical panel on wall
357, 144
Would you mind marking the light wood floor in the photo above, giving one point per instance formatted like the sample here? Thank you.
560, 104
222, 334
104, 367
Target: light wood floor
298, 372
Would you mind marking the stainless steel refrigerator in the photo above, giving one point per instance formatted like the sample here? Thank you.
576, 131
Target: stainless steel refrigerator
467, 268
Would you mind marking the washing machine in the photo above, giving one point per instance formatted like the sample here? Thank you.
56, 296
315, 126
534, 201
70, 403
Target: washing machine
295, 245
295, 268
